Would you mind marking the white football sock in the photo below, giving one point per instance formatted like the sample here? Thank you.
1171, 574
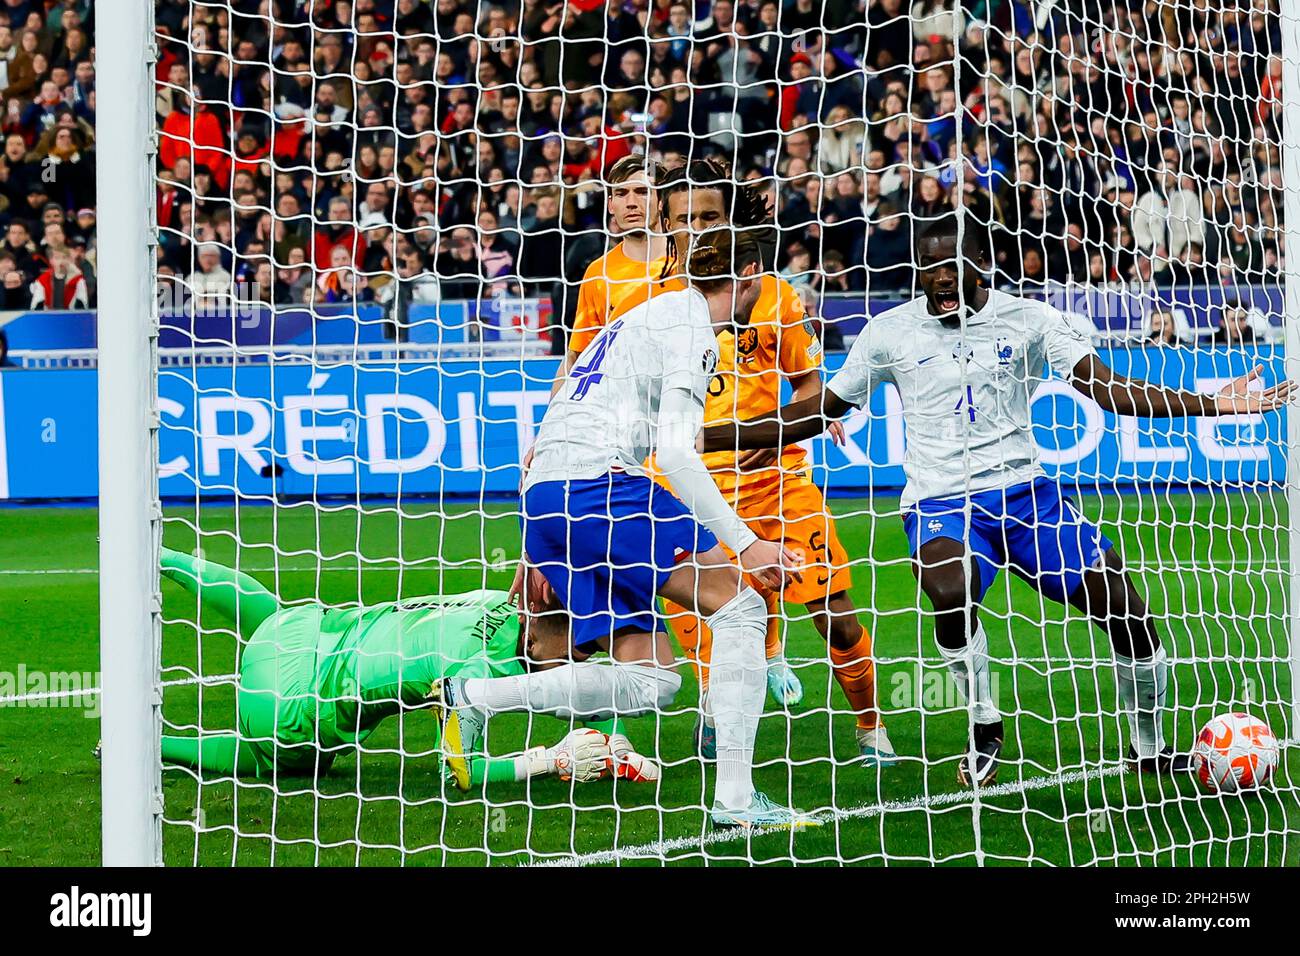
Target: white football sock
737, 682
591, 690
1142, 685
969, 667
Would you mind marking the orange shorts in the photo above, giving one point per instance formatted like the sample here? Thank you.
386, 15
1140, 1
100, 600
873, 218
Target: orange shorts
794, 513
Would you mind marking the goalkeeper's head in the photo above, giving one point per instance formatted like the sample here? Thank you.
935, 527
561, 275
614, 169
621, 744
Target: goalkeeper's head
544, 638
702, 195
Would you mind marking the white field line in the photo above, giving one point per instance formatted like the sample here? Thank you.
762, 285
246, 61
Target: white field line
661, 848
658, 850
207, 679
1270, 566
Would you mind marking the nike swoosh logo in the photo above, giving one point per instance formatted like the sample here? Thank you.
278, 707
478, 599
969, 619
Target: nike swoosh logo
926, 359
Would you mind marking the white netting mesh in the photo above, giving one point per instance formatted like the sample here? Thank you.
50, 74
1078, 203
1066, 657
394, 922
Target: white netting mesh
375, 219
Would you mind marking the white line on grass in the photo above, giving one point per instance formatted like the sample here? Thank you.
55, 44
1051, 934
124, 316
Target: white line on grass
661, 848
207, 679
1200, 567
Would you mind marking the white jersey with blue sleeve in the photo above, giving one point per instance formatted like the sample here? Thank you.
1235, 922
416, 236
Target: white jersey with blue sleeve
965, 394
604, 416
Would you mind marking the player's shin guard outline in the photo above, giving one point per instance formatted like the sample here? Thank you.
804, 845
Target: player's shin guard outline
589, 690
1142, 685
736, 688
969, 667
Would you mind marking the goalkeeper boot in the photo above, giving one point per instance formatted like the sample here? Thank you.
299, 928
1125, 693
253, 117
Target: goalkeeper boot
461, 726
762, 812
1166, 762
706, 738
980, 766
783, 684
876, 750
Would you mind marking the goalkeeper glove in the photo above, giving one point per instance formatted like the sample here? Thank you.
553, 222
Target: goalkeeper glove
583, 755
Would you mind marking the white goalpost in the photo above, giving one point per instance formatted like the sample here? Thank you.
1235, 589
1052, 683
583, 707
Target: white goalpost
129, 513
1291, 192
345, 248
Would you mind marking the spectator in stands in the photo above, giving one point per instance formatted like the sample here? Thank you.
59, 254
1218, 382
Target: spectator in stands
341, 282
17, 293
82, 254
293, 281
210, 282
458, 266
61, 286
1234, 325
1162, 329
889, 251
338, 231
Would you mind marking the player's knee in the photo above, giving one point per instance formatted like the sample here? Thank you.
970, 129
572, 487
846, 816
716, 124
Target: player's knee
1135, 637
947, 592
669, 683
646, 688
844, 631
746, 610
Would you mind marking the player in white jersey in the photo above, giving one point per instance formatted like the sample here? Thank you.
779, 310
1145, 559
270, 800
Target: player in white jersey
607, 539
973, 476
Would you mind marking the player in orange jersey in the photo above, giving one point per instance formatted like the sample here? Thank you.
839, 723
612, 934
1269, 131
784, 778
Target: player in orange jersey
772, 490
622, 278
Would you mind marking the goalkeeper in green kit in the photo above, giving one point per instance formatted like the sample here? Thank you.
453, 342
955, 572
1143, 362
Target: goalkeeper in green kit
316, 681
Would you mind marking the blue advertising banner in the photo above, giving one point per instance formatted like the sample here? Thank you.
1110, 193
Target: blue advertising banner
461, 428
497, 317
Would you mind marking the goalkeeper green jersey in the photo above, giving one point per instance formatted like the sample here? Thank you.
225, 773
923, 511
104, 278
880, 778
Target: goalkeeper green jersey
326, 678
316, 681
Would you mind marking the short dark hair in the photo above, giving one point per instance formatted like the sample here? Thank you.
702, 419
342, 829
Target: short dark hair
747, 207
950, 227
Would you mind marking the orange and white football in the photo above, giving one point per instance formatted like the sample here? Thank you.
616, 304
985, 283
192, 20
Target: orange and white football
1235, 752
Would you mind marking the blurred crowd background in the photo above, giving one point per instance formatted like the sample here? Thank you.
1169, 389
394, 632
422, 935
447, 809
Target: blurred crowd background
47, 170
336, 151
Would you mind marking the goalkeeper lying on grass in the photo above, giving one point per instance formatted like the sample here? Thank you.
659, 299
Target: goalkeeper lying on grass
315, 681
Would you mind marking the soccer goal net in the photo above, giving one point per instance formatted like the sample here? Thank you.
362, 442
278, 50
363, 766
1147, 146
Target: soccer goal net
376, 232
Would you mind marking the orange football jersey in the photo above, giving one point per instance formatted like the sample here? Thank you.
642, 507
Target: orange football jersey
612, 285
778, 343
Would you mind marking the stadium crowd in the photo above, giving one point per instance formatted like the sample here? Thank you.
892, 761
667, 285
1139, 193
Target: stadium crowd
335, 151
47, 165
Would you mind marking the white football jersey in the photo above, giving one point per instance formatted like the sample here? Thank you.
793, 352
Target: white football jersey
963, 393
605, 415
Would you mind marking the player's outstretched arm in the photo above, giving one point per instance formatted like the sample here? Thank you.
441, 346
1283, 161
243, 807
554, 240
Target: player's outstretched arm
792, 423
680, 417
1131, 396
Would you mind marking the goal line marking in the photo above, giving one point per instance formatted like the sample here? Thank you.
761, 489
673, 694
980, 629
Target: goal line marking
659, 849
427, 564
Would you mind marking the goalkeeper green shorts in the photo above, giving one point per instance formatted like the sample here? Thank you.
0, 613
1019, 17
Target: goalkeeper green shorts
278, 696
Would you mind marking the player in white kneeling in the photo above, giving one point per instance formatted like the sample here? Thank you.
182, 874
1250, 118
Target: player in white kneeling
966, 361
608, 539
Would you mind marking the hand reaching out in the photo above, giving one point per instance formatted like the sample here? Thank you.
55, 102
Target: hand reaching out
1238, 398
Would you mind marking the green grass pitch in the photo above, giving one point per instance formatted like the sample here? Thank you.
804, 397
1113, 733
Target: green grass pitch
1210, 565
